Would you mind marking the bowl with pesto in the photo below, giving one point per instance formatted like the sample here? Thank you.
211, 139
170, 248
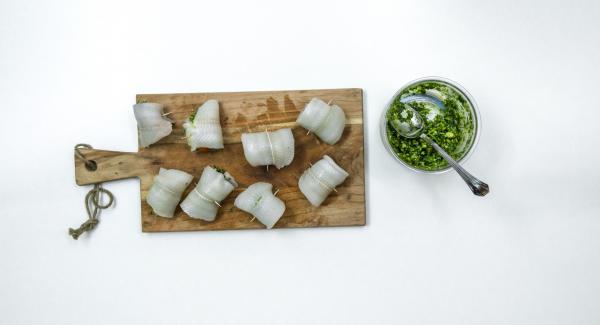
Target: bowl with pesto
451, 119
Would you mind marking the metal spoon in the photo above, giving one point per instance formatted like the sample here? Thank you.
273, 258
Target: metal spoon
411, 126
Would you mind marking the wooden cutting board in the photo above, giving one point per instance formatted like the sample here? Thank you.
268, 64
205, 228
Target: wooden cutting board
246, 112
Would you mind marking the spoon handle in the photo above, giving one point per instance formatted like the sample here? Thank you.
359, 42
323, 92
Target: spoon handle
477, 187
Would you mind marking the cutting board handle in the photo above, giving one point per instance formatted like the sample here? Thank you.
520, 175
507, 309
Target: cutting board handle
109, 165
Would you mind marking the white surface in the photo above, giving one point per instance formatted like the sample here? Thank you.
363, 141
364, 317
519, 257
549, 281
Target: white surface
431, 252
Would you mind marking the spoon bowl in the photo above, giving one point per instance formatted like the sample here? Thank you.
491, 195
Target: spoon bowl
409, 123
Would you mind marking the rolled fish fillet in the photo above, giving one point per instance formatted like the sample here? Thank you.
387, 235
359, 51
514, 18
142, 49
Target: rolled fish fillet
259, 201
204, 201
166, 191
326, 121
203, 129
152, 125
269, 148
320, 179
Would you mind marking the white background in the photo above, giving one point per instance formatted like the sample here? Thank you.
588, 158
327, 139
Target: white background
431, 253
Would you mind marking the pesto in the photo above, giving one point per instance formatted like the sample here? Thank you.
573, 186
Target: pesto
218, 169
448, 119
222, 172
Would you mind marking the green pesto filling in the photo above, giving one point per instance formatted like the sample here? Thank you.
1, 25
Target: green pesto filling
257, 201
222, 171
453, 128
219, 169
191, 117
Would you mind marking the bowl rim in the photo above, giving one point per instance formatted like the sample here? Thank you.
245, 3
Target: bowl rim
475, 111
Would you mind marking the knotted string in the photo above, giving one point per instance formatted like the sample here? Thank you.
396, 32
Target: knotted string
93, 199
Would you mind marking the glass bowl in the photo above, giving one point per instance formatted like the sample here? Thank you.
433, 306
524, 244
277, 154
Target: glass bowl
474, 113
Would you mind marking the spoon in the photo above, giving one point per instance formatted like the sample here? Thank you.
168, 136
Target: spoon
410, 125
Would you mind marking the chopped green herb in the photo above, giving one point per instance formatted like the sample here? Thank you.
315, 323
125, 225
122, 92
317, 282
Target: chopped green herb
191, 117
453, 128
222, 171
219, 169
257, 201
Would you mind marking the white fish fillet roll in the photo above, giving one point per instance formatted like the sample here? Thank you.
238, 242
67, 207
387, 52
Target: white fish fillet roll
327, 122
269, 148
259, 201
320, 179
204, 130
152, 125
166, 191
204, 201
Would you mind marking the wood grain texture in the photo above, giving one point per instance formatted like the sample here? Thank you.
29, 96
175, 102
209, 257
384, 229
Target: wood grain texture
247, 112
112, 165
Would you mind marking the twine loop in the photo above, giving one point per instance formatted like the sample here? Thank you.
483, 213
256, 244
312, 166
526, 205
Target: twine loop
321, 182
318, 127
271, 146
93, 199
205, 198
324, 122
89, 164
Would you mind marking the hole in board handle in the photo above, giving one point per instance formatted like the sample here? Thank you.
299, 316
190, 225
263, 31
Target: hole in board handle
91, 165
